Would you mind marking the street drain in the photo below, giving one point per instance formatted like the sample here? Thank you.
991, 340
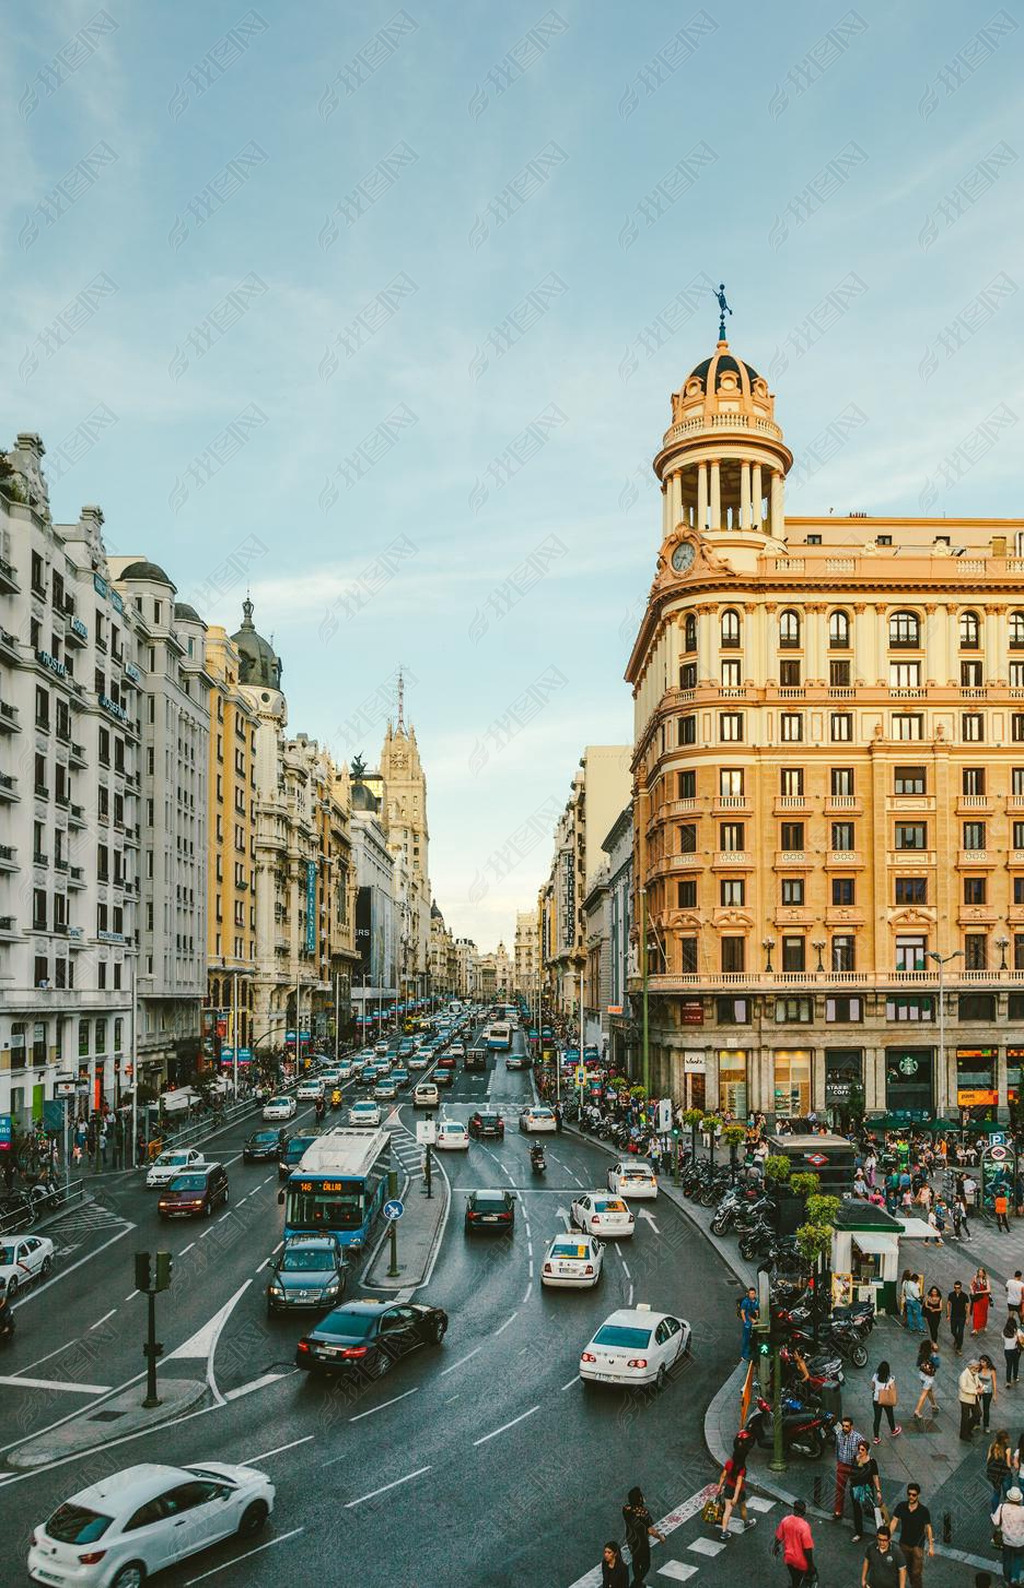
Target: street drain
105, 1417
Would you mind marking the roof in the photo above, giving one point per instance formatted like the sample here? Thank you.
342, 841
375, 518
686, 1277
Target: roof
259, 663
186, 613
147, 570
348, 1152
131, 1484
857, 1214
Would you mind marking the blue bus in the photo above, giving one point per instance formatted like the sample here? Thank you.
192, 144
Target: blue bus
340, 1186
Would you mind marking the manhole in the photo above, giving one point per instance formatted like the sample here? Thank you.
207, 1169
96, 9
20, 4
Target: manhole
105, 1417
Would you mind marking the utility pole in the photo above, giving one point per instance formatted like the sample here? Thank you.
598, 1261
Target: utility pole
393, 1231
427, 1164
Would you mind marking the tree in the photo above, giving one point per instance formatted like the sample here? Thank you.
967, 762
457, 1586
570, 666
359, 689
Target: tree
814, 1241
777, 1167
805, 1183
733, 1136
692, 1118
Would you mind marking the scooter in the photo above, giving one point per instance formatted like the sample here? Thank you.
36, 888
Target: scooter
538, 1162
336, 1098
805, 1429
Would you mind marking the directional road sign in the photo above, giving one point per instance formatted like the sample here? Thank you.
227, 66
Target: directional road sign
394, 1210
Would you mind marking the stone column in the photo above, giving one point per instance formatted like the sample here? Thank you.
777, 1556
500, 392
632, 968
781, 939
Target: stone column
702, 497
705, 620
744, 495
716, 494
757, 496
776, 511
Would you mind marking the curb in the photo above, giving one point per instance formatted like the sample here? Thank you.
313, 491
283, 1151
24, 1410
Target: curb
39, 1449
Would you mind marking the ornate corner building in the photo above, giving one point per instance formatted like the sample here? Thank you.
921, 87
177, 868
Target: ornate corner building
828, 778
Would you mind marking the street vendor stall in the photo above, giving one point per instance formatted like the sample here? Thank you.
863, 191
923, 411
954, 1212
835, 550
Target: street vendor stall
865, 1252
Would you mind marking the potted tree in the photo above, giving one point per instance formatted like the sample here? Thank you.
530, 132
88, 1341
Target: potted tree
734, 1136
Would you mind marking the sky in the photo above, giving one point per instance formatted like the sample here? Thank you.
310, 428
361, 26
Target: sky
378, 311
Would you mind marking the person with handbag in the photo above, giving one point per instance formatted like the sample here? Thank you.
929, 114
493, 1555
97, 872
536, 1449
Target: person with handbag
1008, 1520
988, 1393
865, 1489
914, 1522
884, 1397
968, 1393
793, 1536
927, 1368
999, 1466
733, 1482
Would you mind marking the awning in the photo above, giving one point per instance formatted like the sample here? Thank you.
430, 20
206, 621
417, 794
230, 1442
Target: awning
916, 1230
870, 1244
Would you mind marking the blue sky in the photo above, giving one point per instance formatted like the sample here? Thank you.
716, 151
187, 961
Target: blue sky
380, 314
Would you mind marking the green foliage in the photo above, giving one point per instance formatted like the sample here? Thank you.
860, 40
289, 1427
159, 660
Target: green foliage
734, 1135
814, 1241
638, 1092
822, 1210
710, 1123
777, 1167
805, 1183
693, 1117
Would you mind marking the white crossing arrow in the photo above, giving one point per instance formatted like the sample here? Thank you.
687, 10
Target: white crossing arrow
565, 1216
650, 1219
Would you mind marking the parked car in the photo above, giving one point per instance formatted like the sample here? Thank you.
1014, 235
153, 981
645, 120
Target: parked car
196, 1192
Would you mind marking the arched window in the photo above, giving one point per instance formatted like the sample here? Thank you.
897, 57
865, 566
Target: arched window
690, 632
839, 631
789, 631
730, 631
1017, 631
970, 631
905, 631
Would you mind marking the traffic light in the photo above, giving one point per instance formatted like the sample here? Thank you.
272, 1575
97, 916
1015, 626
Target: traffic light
163, 1271
778, 1329
142, 1270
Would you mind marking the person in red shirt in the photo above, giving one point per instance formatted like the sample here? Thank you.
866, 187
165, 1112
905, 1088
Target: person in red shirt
794, 1535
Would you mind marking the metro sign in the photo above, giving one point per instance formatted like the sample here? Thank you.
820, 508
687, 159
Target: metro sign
817, 1158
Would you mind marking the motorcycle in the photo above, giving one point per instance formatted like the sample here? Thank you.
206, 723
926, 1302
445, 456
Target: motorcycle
805, 1429
336, 1098
538, 1162
6, 1323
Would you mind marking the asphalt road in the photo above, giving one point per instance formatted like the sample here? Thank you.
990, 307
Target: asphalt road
481, 1462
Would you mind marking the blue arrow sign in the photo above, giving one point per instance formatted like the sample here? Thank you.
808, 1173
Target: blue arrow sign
394, 1210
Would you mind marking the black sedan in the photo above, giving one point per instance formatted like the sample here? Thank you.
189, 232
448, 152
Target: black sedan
365, 1338
486, 1122
263, 1144
494, 1211
292, 1149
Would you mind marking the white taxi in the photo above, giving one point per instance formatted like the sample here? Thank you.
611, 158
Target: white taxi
635, 1346
452, 1136
163, 1169
279, 1108
346, 1070
537, 1118
572, 1262
602, 1215
310, 1090
364, 1113
633, 1178
22, 1259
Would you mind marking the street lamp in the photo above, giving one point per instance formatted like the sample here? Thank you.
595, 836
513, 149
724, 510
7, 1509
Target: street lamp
942, 960
1002, 944
818, 945
768, 944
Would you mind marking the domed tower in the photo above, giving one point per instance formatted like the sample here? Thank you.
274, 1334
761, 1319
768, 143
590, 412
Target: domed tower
259, 664
722, 463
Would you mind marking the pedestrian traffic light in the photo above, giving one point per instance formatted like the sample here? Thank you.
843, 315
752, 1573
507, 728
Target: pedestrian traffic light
163, 1271
142, 1270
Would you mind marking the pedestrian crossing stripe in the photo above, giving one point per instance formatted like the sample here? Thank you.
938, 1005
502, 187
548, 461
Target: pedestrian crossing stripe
677, 1570
89, 1216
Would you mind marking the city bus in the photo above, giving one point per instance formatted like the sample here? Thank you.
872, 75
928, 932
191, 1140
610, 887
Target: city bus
340, 1186
499, 1036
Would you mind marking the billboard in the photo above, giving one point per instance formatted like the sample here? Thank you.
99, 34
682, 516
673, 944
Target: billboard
310, 906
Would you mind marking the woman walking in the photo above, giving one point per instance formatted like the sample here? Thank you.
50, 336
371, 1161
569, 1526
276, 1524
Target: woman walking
999, 1466
987, 1379
640, 1529
1011, 1349
865, 1490
734, 1477
1009, 1519
933, 1312
981, 1295
927, 1368
884, 1397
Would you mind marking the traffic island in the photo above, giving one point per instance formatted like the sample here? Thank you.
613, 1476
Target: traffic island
111, 1419
418, 1233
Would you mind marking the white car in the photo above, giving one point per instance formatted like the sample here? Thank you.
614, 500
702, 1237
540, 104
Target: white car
635, 1346
22, 1259
364, 1055
364, 1113
309, 1091
145, 1518
418, 1060
457, 1050
572, 1262
172, 1162
600, 1214
425, 1095
331, 1077
452, 1136
380, 1047
345, 1070
537, 1118
385, 1089
279, 1108
633, 1178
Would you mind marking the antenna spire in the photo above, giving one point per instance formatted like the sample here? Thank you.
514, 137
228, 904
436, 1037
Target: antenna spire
401, 702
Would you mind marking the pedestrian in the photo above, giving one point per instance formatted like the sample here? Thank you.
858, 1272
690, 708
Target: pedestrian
793, 1536
987, 1379
885, 1564
960, 1208
640, 1529
933, 1312
884, 1397
1011, 1348
1001, 1207
748, 1316
956, 1312
981, 1293
927, 1368
732, 1488
914, 1524
865, 1490
847, 1440
968, 1391
999, 1466
1008, 1520
558, 1118
912, 1298
1015, 1292
614, 1571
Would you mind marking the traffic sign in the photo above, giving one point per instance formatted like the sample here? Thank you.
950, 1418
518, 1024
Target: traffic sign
997, 1139
999, 1154
394, 1210
426, 1132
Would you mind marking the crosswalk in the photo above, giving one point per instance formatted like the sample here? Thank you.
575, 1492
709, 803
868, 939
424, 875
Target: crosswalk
705, 1546
89, 1217
407, 1151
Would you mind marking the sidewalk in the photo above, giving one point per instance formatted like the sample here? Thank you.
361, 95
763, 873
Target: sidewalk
419, 1234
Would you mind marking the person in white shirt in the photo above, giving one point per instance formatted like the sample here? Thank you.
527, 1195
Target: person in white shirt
1015, 1293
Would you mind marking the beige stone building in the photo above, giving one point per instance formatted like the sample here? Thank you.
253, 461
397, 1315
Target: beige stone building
526, 950
829, 787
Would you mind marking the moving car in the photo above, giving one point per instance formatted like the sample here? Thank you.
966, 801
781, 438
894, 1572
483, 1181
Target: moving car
172, 1162
452, 1136
310, 1271
457, 1050
633, 1178
381, 1047
292, 1152
418, 1061
572, 1262
279, 1108
493, 1211
309, 1090
23, 1259
263, 1144
517, 1061
331, 1077
635, 1346
364, 1113
425, 1095
133, 1523
345, 1070
400, 1078
365, 1338
385, 1089
197, 1191
602, 1215
476, 1059
444, 1072
537, 1118
486, 1123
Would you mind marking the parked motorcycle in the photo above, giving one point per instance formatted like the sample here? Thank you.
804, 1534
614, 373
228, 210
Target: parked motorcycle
806, 1429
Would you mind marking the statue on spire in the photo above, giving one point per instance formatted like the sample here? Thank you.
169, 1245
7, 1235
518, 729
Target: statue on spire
723, 310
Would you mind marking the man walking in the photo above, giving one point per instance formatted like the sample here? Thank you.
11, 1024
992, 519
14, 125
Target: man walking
884, 1563
640, 1529
794, 1534
968, 1390
1015, 1292
1001, 1204
914, 1522
847, 1440
957, 1303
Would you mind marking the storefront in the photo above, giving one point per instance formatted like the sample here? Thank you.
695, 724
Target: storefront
1014, 1069
844, 1085
792, 1083
865, 1254
732, 1081
910, 1083
977, 1087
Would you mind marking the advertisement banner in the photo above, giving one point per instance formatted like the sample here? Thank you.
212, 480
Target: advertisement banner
310, 906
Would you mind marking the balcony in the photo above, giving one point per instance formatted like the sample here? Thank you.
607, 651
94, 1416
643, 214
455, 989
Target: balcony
8, 928
974, 802
76, 937
792, 802
39, 858
8, 858
61, 865
9, 718
8, 787
975, 859
791, 857
8, 579
8, 645
732, 802
76, 816
76, 755
76, 877
845, 857
41, 792
732, 860
842, 802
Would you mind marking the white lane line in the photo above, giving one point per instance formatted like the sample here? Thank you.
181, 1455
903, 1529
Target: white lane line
505, 1426
37, 1290
629, 1298
187, 1248
255, 1384
56, 1384
526, 1294
625, 1269
397, 1483
529, 1248
207, 1232
574, 1380
360, 1415
104, 1318
265, 1455
236, 1558
130, 1295
505, 1325
263, 1265
277, 1248
40, 1359
444, 1371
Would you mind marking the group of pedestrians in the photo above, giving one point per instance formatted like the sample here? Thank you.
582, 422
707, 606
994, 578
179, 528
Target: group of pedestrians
894, 1556
639, 1530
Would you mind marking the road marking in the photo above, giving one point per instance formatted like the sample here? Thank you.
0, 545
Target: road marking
187, 1248
263, 1265
104, 1318
676, 1570
359, 1415
650, 1219
526, 1293
131, 1293
446, 1370
574, 1380
706, 1546
37, 1290
56, 1384
397, 1484
255, 1384
529, 1248
505, 1325
236, 1558
625, 1266
265, 1455
505, 1426
755, 1502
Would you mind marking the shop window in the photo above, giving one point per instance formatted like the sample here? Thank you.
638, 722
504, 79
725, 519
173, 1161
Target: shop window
844, 1069
792, 1083
976, 1088
732, 1081
909, 1008
908, 1082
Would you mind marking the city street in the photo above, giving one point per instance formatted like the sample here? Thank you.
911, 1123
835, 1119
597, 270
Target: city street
477, 1428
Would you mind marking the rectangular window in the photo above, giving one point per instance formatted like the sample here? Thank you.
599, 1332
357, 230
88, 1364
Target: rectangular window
841, 781
910, 1008
1017, 675
909, 780
794, 1011
907, 725
975, 951
789, 675
791, 782
688, 956
733, 955
843, 836
686, 896
1018, 951
972, 675
688, 839
1018, 835
844, 951
972, 727
839, 673
732, 674
975, 889
911, 890
904, 675
730, 727
911, 835
732, 893
732, 836
1017, 728
730, 782
733, 1011
843, 892
687, 730
841, 727
793, 892
973, 780
974, 835
687, 785
844, 1011
794, 954
911, 949
791, 727
688, 675
791, 837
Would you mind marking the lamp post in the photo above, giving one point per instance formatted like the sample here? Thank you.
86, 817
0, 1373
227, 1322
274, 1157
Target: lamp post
818, 945
942, 960
1002, 944
768, 944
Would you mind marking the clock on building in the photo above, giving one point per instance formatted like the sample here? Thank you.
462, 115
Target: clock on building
682, 557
